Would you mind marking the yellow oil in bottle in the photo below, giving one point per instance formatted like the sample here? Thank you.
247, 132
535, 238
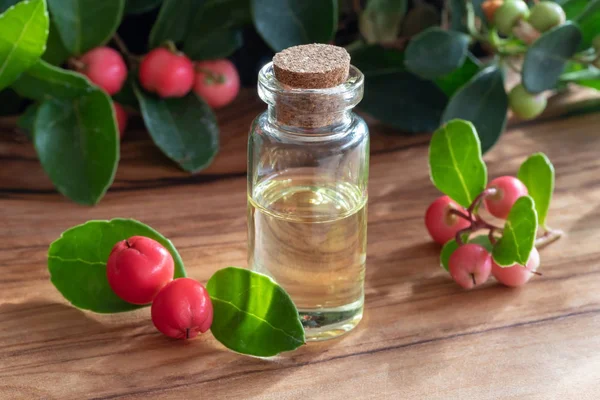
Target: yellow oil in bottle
309, 234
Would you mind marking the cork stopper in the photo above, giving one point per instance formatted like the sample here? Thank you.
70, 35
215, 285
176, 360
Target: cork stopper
312, 66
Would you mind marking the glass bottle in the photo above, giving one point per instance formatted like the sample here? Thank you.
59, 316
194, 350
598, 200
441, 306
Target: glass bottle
308, 166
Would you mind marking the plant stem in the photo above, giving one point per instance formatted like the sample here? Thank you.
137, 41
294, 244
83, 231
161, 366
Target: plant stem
475, 204
131, 59
471, 22
76, 64
548, 237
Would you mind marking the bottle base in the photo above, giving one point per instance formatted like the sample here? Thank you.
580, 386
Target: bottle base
324, 324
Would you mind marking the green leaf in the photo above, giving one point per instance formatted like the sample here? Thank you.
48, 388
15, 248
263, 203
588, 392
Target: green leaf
395, 96
85, 24
537, 173
77, 262
78, 146
453, 81
283, 24
252, 314
588, 22
214, 29
173, 21
574, 8
185, 129
452, 245
436, 52
44, 81
518, 237
546, 58
458, 13
56, 52
23, 34
27, 120
484, 102
140, 6
381, 20
455, 164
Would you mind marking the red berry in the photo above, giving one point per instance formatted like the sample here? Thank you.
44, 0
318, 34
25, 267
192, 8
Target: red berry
138, 268
470, 265
166, 73
122, 118
441, 224
105, 68
517, 275
217, 82
182, 309
509, 189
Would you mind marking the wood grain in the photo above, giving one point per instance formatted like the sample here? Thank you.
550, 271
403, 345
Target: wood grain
422, 336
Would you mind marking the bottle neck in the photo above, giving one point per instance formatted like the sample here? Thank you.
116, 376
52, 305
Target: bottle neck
309, 123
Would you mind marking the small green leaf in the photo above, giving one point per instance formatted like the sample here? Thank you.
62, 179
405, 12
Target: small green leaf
23, 34
214, 31
484, 102
518, 237
56, 53
140, 6
27, 120
436, 52
185, 128
455, 164
78, 146
537, 173
252, 314
452, 245
394, 95
546, 58
77, 262
456, 79
173, 21
44, 81
85, 24
381, 20
283, 24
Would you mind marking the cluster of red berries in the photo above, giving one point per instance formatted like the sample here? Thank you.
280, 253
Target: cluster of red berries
140, 271
471, 264
164, 72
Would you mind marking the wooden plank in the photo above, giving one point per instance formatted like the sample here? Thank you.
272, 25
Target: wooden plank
422, 336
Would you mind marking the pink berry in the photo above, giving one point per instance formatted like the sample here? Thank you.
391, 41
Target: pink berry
122, 118
217, 82
105, 68
441, 224
166, 73
517, 275
509, 189
470, 265
182, 309
138, 268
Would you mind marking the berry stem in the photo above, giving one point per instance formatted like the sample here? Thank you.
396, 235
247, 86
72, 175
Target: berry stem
460, 214
76, 64
131, 59
477, 202
548, 237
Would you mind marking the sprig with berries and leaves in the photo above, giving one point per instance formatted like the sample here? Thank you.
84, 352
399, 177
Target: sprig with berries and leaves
501, 241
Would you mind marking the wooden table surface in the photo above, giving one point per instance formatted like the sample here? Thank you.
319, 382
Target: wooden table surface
422, 335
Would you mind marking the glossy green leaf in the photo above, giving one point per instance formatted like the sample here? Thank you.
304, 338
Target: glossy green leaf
78, 146
283, 24
518, 237
546, 58
436, 52
44, 81
451, 246
394, 95
141, 6
573, 8
214, 32
77, 262
456, 79
537, 173
56, 53
455, 164
380, 21
27, 120
589, 22
85, 24
484, 102
185, 129
252, 314
173, 21
458, 13
23, 34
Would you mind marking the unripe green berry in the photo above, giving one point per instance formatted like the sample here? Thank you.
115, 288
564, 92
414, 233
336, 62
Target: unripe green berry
509, 14
524, 104
546, 15
596, 43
